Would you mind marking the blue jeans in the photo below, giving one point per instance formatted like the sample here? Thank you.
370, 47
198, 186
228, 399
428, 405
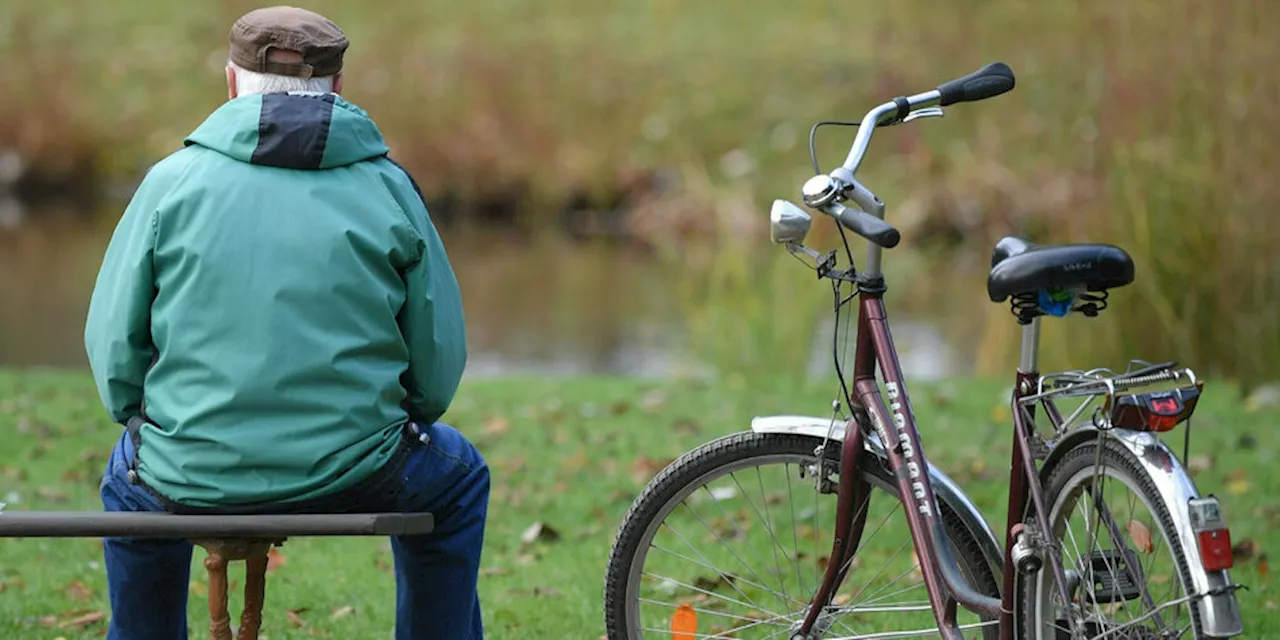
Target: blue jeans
436, 574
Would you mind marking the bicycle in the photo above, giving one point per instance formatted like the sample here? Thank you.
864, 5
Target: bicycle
1041, 583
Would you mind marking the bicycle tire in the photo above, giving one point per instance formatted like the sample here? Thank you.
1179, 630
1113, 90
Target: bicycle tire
1069, 472
735, 448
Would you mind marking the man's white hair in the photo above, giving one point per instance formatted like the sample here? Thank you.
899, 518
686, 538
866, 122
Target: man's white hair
252, 82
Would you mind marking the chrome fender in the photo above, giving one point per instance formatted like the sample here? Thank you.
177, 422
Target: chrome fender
944, 488
1219, 614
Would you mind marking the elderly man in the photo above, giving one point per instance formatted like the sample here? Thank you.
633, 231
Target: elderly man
278, 327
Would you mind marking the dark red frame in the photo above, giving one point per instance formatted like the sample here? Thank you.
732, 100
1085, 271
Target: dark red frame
901, 439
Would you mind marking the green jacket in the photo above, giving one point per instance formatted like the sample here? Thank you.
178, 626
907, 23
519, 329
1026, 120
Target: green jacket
276, 302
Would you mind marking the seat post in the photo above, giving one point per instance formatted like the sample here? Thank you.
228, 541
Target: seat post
1029, 360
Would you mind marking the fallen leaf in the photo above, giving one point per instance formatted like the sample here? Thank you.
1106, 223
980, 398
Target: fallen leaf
511, 465
710, 584
199, 589
275, 559
78, 591
294, 616
1199, 463
1262, 397
653, 401
1245, 549
342, 612
539, 531
620, 407
841, 599
1141, 536
496, 426
686, 426
85, 619
1238, 486
494, 571
1264, 569
545, 591
52, 494
575, 462
727, 492
644, 468
1246, 441
1000, 413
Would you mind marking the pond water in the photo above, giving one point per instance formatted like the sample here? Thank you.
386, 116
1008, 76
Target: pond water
549, 307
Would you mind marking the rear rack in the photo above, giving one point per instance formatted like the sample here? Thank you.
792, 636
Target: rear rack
1103, 383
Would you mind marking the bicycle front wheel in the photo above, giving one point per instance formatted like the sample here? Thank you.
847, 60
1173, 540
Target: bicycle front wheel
1127, 576
731, 541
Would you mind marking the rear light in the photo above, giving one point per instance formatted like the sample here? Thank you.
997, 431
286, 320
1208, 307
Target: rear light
1212, 534
1157, 411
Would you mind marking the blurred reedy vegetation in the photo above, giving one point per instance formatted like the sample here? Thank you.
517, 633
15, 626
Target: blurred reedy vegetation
1150, 124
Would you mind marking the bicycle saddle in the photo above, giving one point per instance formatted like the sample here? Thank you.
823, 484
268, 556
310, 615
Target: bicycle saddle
1019, 266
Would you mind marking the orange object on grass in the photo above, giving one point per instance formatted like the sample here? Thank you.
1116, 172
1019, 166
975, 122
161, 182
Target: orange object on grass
684, 622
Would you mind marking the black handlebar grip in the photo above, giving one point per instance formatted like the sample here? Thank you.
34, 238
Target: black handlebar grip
868, 226
987, 82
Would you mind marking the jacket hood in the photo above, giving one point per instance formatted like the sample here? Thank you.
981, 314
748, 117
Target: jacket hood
291, 130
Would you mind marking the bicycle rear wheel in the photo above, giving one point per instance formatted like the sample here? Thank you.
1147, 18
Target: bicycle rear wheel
739, 531
1118, 543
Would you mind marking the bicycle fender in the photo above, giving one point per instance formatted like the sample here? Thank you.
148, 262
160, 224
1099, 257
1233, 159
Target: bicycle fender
943, 486
1219, 613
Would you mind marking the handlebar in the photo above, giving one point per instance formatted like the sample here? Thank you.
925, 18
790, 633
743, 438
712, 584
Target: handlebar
824, 192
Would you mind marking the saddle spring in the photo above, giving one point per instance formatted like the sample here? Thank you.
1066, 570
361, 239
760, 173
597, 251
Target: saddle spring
1093, 302
1026, 306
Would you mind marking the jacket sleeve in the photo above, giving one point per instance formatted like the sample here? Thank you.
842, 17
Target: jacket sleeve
431, 322
118, 327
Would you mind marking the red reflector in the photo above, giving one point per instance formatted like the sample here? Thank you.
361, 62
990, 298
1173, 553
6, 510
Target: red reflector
1157, 422
1215, 549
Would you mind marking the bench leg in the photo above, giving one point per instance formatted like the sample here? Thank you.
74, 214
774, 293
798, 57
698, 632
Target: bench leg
219, 619
254, 553
255, 591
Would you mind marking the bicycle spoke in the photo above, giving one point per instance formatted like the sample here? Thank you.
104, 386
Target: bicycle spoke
768, 526
712, 612
719, 539
921, 633
734, 522
709, 593
795, 536
729, 577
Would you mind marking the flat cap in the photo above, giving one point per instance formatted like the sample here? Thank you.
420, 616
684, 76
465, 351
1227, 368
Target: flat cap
318, 39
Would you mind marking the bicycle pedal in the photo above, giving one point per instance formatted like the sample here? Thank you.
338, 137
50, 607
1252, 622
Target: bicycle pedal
1113, 579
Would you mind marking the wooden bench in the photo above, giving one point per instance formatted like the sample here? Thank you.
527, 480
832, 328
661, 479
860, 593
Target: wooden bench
224, 539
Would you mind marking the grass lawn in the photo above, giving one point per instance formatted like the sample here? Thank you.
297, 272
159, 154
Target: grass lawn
570, 453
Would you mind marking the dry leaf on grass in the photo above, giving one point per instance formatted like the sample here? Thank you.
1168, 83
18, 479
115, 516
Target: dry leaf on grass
342, 612
1246, 549
496, 426
294, 616
80, 620
275, 559
78, 591
539, 531
1141, 536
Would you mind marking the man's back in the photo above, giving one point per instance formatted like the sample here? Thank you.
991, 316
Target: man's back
296, 279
